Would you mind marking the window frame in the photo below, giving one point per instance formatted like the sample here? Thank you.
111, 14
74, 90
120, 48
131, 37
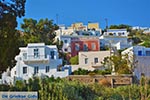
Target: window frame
25, 71
36, 52
86, 61
36, 69
52, 53
96, 60
65, 41
77, 47
47, 69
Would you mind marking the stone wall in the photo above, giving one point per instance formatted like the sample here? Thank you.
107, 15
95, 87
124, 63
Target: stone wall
113, 80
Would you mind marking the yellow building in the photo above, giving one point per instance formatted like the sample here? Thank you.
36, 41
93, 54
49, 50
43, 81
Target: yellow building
93, 26
78, 26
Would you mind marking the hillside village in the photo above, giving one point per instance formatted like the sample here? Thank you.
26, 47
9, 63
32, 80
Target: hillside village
85, 50
74, 50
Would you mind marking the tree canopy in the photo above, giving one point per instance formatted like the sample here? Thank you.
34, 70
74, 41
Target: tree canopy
38, 31
14, 7
9, 36
121, 26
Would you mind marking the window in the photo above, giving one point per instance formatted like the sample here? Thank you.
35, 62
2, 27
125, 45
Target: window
25, 55
95, 60
52, 54
24, 70
86, 60
119, 34
110, 33
85, 48
93, 46
36, 69
65, 41
66, 49
147, 53
77, 47
47, 69
15, 72
114, 34
36, 53
139, 53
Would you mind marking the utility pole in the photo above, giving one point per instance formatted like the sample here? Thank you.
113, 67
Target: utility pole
57, 18
106, 24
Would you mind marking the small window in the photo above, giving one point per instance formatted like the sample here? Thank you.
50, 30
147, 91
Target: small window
36, 53
119, 34
86, 60
47, 69
66, 49
110, 33
36, 69
147, 53
24, 55
114, 34
139, 53
93, 46
52, 54
77, 47
15, 72
85, 47
95, 60
65, 41
24, 70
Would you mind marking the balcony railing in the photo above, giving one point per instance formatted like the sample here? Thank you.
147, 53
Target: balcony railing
34, 58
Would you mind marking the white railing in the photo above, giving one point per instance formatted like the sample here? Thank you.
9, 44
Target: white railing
34, 58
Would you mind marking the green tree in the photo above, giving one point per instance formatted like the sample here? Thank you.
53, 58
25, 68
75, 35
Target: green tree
121, 26
81, 72
38, 31
120, 64
9, 36
74, 60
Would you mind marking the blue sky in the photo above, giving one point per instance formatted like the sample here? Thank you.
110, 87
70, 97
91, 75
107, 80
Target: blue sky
132, 12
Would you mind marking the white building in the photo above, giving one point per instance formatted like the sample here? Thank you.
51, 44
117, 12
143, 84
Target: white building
140, 57
116, 32
78, 28
63, 31
91, 60
66, 39
137, 51
115, 41
146, 31
37, 59
117, 38
140, 28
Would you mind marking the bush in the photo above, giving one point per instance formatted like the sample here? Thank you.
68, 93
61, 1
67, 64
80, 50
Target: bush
105, 82
74, 60
81, 72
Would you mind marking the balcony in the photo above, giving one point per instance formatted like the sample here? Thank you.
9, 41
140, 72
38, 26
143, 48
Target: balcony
36, 59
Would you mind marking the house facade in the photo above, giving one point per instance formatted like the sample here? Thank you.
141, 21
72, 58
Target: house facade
116, 32
91, 60
84, 44
115, 41
92, 29
117, 38
139, 56
37, 59
137, 51
73, 44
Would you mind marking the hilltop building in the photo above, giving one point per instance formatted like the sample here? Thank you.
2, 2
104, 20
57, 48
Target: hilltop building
139, 56
37, 59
